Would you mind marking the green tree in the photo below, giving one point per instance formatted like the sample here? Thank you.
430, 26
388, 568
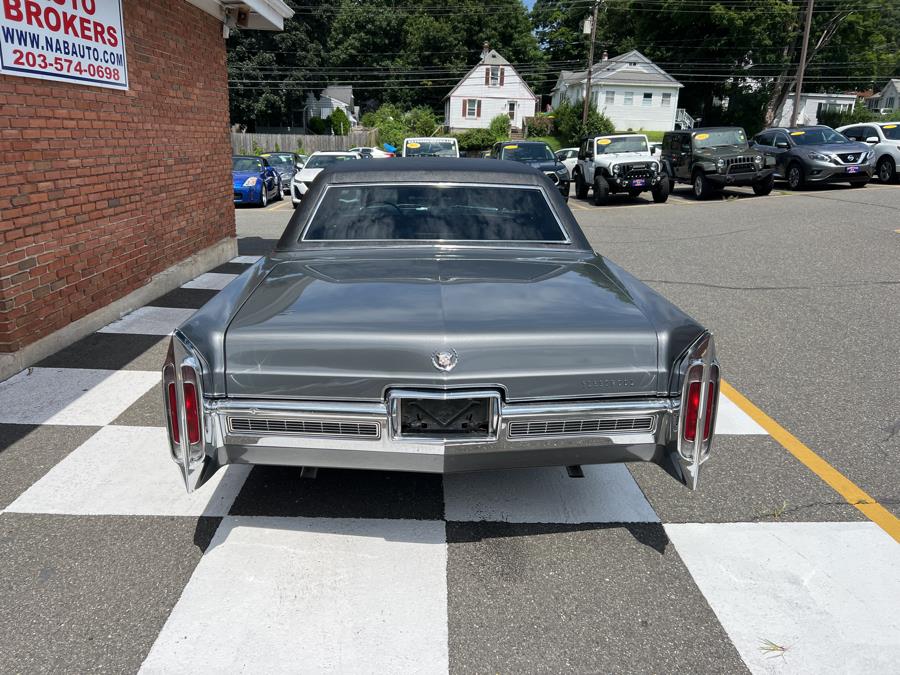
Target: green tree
499, 127
421, 121
571, 129
317, 125
270, 72
340, 123
475, 139
743, 52
415, 54
390, 122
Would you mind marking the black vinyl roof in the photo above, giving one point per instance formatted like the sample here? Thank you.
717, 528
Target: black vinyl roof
432, 170
427, 170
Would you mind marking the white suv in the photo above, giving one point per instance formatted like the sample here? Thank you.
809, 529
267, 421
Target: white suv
317, 162
884, 137
618, 163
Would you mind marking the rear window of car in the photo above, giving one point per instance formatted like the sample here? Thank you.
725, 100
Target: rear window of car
891, 131
611, 146
434, 212
817, 136
323, 161
425, 148
713, 138
280, 160
245, 164
526, 152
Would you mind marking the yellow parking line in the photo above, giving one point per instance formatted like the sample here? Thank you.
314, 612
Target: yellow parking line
850, 491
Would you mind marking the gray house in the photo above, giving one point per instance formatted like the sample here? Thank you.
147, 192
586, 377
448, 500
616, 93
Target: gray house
330, 99
888, 99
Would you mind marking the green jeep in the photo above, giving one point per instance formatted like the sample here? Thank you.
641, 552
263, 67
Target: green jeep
713, 158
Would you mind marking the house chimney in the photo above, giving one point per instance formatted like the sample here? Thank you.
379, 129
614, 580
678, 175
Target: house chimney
485, 50
605, 56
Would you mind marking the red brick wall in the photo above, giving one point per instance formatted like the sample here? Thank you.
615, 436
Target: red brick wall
101, 189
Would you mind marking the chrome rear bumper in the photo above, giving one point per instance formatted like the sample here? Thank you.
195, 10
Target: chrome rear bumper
364, 436
368, 435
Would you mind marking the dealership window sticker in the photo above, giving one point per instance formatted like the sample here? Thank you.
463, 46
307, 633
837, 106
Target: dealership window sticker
76, 41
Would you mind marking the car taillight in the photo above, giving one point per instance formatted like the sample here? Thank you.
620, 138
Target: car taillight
173, 412
192, 413
693, 410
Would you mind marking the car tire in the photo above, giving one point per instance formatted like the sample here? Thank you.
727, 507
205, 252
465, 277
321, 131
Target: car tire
279, 193
795, 178
702, 186
763, 187
263, 196
581, 188
660, 191
601, 191
886, 170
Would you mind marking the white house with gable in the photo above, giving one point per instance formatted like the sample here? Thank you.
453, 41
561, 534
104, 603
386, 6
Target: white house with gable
630, 90
491, 88
888, 99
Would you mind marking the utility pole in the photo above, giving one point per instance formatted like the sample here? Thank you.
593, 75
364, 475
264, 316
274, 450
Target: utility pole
587, 93
798, 84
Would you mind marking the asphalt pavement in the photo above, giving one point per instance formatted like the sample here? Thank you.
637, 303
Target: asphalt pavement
106, 565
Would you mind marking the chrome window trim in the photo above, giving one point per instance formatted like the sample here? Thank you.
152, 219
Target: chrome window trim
507, 242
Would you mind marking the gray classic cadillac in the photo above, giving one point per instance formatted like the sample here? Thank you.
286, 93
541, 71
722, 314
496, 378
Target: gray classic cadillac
439, 316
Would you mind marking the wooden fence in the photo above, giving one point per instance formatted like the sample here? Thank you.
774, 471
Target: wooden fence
250, 144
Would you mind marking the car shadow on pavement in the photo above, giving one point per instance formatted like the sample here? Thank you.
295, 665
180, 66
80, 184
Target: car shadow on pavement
651, 535
255, 245
615, 201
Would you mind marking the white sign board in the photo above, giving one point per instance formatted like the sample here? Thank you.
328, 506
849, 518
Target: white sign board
77, 41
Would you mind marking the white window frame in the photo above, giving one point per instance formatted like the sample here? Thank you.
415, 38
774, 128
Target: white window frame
512, 107
629, 98
647, 99
471, 108
666, 100
610, 98
495, 81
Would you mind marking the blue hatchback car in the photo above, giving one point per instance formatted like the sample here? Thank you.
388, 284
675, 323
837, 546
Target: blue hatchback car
255, 181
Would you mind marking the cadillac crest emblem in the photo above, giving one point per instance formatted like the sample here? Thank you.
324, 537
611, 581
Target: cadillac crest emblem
445, 359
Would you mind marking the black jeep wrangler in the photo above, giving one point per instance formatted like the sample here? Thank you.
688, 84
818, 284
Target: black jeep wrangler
713, 158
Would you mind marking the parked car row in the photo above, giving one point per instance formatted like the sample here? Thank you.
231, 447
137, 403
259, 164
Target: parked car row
710, 159
707, 159
258, 179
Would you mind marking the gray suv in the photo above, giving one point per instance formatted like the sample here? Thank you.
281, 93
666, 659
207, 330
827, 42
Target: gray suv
808, 155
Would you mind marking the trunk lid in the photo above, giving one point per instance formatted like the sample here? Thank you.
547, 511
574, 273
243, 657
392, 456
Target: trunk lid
353, 328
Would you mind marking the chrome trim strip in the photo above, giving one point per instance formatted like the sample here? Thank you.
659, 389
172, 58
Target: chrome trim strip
303, 420
522, 428
237, 406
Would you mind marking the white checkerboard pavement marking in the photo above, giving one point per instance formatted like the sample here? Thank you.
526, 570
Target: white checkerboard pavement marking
283, 595
827, 592
606, 494
150, 321
127, 471
211, 281
347, 594
73, 396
